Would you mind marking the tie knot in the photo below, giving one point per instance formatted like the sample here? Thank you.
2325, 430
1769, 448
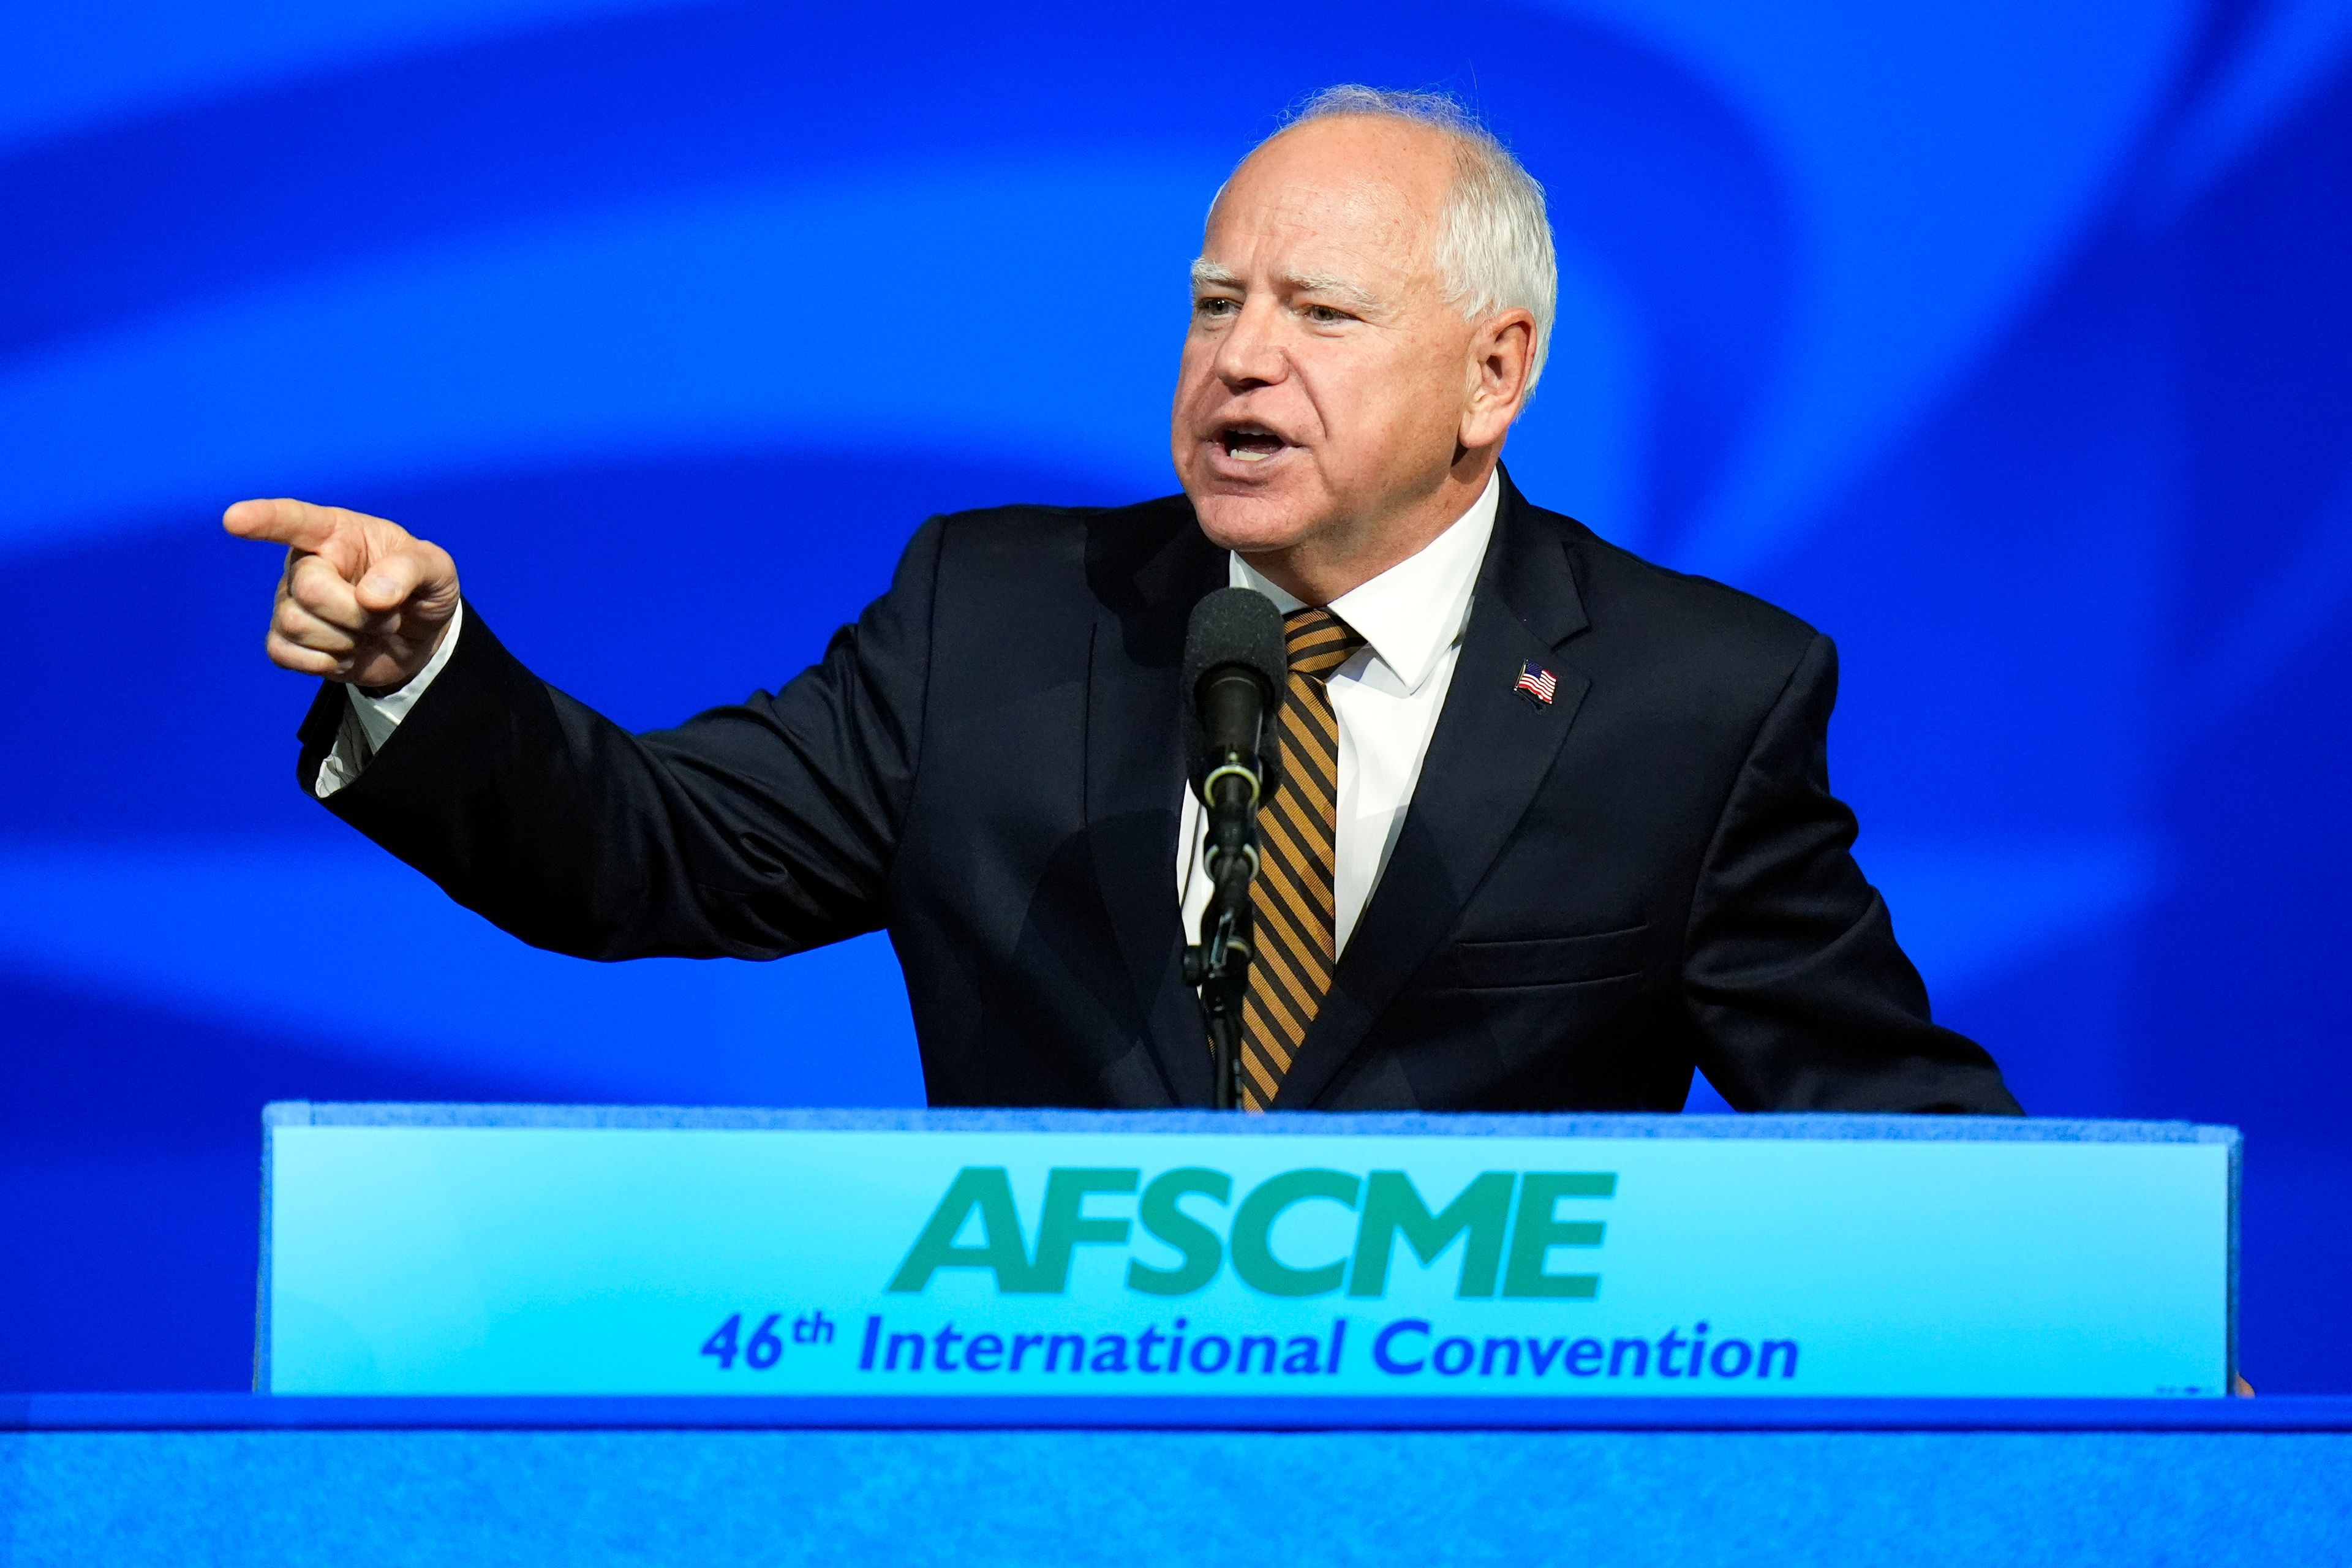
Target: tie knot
1319, 641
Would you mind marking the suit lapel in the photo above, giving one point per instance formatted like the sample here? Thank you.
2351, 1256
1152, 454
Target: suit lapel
1146, 579
1489, 753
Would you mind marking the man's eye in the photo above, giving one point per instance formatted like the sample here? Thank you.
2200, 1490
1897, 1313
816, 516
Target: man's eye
1216, 307
1325, 316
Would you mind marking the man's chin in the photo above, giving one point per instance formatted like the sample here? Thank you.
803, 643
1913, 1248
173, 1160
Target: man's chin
1253, 524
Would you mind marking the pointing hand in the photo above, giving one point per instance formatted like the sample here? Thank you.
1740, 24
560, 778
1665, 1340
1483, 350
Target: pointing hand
363, 601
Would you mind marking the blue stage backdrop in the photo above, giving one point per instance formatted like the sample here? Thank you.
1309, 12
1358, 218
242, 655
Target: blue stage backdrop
2007, 341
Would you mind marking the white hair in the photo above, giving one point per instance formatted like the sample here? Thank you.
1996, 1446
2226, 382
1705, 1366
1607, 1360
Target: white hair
1494, 241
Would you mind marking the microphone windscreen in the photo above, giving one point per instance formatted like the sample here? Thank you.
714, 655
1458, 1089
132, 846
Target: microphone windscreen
1236, 627
1232, 628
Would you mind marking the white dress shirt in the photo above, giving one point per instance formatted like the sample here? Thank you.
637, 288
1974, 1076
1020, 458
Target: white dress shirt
369, 721
1412, 617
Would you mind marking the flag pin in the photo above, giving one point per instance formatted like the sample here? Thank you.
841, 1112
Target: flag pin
1536, 682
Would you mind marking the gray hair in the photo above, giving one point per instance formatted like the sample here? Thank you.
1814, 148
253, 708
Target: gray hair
1493, 242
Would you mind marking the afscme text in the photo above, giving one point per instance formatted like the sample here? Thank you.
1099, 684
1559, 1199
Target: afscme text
1509, 1225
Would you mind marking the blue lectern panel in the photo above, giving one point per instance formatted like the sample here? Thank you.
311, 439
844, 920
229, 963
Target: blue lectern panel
512, 1250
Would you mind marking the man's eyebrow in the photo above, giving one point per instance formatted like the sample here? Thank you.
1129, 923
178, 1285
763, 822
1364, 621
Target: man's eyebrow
1326, 283
1207, 274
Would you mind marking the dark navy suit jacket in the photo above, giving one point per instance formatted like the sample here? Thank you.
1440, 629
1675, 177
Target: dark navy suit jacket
1587, 899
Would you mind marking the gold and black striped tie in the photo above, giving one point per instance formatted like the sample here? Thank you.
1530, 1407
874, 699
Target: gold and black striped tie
1291, 898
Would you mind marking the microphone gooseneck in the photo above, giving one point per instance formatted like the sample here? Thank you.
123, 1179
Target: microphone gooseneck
1236, 669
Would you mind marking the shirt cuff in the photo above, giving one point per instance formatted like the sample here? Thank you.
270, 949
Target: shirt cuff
369, 721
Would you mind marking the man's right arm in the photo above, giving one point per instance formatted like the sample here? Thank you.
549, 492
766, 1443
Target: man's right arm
371, 716
748, 831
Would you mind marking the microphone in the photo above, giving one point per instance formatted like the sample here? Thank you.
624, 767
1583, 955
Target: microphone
1236, 669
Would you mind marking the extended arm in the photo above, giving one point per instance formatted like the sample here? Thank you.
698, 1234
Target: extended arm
750, 831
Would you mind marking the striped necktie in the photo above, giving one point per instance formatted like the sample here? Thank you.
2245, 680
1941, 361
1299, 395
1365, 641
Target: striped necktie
1291, 899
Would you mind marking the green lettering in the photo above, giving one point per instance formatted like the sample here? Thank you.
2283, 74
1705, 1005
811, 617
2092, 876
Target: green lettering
1066, 1223
1392, 1205
986, 1190
1161, 1216
1537, 1230
1253, 1258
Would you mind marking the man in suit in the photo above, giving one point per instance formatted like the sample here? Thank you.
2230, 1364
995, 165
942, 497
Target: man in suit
1554, 826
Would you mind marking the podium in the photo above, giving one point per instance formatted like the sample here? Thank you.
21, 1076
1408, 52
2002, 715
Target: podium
630, 1335
1157, 1260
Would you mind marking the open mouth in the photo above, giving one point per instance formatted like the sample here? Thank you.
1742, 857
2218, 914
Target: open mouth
1250, 443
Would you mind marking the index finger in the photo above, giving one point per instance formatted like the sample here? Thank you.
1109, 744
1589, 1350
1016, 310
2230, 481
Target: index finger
287, 521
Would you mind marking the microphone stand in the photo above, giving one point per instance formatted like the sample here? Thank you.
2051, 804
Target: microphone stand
1219, 966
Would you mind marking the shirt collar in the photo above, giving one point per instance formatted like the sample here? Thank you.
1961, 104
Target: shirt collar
1416, 609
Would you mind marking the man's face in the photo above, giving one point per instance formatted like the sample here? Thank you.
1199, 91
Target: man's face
1325, 376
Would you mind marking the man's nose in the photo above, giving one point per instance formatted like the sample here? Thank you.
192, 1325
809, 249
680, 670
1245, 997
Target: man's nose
1251, 353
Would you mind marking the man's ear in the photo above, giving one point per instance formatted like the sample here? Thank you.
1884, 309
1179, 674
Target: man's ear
1502, 360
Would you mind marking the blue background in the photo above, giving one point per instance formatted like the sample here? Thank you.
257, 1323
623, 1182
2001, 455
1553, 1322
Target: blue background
2005, 340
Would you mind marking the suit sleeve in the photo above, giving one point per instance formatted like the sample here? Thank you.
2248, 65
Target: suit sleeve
748, 832
1801, 998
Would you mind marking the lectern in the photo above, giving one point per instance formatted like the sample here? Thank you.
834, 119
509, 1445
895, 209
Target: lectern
1287, 1263
627, 1335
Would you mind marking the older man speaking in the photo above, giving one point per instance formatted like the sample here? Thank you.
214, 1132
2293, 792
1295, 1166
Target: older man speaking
1555, 828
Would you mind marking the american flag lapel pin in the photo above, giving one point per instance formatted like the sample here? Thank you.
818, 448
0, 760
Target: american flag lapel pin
1537, 683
